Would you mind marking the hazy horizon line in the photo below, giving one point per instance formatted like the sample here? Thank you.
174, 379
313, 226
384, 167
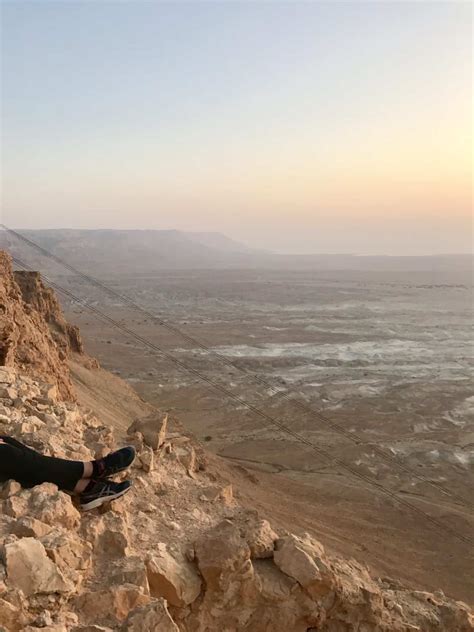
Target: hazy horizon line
244, 243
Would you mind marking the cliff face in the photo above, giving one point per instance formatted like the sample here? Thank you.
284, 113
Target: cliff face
178, 553
26, 340
43, 300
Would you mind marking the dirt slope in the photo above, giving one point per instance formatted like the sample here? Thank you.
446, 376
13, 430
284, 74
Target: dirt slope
337, 512
107, 395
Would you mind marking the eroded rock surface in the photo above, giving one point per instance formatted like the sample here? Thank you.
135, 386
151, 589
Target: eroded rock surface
44, 301
29, 569
25, 337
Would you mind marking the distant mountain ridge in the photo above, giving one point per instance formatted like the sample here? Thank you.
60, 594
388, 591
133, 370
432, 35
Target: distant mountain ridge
220, 242
142, 249
148, 251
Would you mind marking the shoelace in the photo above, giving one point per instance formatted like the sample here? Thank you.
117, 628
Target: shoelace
102, 492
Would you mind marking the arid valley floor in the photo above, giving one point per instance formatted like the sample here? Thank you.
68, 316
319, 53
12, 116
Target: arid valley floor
371, 367
388, 360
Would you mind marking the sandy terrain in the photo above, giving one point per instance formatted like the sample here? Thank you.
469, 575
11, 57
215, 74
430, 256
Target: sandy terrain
388, 357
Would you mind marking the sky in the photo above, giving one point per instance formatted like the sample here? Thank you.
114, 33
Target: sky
294, 126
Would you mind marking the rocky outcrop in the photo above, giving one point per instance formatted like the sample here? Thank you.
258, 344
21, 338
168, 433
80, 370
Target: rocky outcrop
44, 301
172, 556
25, 337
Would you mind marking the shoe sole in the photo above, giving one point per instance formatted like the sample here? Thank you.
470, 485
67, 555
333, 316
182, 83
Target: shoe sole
104, 499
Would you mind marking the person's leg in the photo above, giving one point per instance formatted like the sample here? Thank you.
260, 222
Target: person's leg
81, 485
88, 465
109, 465
30, 468
14, 442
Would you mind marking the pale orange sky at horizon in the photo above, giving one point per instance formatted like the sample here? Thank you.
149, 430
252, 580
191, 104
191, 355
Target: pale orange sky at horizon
302, 128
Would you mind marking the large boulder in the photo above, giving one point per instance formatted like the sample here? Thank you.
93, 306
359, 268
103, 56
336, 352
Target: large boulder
305, 561
152, 428
30, 569
231, 589
282, 604
222, 556
177, 581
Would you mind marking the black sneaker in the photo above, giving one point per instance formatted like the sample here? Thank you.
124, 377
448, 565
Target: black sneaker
99, 492
114, 462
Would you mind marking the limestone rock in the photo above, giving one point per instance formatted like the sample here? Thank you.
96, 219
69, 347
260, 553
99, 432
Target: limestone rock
8, 392
214, 493
132, 571
9, 616
306, 562
153, 617
153, 429
115, 539
28, 527
15, 506
69, 552
25, 338
162, 433
137, 441
260, 537
43, 620
232, 588
111, 604
177, 581
44, 302
187, 456
281, 604
7, 374
9, 489
49, 392
51, 506
46, 628
147, 459
222, 554
6, 528
30, 569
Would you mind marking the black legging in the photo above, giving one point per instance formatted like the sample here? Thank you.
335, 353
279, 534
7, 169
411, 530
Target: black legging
30, 468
